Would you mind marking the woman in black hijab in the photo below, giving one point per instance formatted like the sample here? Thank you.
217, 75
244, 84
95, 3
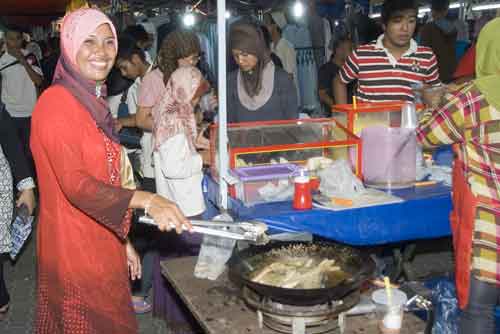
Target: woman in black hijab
257, 90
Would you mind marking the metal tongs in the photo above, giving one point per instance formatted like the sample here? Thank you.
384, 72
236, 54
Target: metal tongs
251, 231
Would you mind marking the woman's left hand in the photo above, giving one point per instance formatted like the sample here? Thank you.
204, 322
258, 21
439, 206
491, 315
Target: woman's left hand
201, 142
27, 197
133, 261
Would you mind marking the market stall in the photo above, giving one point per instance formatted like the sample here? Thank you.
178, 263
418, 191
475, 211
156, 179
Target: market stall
422, 215
411, 213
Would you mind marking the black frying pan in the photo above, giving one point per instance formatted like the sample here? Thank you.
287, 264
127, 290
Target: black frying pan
360, 267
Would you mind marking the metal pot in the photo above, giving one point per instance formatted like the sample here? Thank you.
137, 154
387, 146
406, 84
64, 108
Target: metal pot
359, 266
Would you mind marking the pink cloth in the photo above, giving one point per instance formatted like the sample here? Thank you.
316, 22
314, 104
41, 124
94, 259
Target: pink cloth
76, 27
151, 90
175, 114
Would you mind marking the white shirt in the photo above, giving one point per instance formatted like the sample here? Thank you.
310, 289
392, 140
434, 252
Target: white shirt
146, 154
286, 52
18, 91
178, 175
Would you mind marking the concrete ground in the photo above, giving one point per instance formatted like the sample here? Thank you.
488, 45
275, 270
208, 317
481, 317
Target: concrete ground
434, 259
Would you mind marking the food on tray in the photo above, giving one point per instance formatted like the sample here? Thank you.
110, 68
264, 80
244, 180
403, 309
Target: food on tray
299, 273
346, 202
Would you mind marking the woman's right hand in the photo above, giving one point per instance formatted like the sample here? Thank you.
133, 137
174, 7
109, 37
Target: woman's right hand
27, 197
167, 215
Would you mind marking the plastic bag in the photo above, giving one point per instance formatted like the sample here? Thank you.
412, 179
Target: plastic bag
446, 312
271, 192
214, 253
339, 180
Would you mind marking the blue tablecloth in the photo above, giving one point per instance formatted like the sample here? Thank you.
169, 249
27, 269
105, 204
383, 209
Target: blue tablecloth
423, 215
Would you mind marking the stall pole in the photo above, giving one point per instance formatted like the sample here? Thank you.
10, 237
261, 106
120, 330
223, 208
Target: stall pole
222, 130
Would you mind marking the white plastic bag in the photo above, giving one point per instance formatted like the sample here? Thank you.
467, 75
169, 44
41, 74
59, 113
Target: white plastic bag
338, 180
214, 253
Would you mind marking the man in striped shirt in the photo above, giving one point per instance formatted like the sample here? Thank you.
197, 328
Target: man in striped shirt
389, 67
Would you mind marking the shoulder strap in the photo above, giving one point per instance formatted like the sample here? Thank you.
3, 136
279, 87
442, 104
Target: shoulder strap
9, 65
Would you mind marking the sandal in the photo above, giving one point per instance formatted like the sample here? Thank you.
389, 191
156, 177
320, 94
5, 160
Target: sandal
3, 312
141, 306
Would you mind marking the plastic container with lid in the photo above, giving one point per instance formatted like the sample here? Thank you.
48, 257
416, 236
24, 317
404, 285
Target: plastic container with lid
389, 157
253, 180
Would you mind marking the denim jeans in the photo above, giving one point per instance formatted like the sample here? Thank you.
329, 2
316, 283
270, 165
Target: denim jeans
479, 315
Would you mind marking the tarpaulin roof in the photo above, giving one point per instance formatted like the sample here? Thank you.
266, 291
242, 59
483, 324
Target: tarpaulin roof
32, 7
37, 12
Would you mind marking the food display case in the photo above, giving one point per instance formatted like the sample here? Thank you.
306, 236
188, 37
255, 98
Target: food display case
288, 141
364, 115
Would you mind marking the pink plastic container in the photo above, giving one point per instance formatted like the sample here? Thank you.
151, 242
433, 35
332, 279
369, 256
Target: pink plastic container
389, 157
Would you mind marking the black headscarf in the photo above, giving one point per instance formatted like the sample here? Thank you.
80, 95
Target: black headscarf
248, 37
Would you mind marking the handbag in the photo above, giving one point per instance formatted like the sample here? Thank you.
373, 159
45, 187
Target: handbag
129, 137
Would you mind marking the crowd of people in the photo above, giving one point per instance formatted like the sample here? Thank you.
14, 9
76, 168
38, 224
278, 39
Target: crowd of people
98, 127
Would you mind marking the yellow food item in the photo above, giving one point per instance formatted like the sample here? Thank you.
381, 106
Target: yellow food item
342, 201
296, 273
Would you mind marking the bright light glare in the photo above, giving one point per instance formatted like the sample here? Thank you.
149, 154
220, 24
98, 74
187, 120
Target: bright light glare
486, 7
228, 14
298, 9
426, 9
189, 19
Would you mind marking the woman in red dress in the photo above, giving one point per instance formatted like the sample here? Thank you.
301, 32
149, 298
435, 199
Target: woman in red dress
84, 218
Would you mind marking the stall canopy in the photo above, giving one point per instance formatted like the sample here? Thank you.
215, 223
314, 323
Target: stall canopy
50, 8
32, 7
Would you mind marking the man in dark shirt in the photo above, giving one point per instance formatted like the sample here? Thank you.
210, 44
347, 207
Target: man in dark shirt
50, 59
341, 48
441, 36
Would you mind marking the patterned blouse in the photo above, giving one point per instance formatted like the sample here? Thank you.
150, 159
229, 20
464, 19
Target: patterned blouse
467, 118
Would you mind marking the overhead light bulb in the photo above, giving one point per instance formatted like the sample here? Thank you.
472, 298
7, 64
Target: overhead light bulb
189, 19
424, 10
298, 9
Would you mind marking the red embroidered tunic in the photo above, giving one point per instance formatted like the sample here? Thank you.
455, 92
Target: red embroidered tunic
83, 284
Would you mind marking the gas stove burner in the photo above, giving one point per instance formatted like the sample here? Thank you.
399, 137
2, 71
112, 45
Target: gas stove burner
316, 319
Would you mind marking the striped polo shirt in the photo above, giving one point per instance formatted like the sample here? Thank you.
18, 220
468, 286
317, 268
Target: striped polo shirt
383, 78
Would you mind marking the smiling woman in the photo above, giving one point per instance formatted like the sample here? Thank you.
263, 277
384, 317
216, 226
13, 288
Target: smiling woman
84, 257
96, 56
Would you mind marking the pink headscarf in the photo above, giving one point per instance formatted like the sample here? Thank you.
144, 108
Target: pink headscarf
76, 27
175, 114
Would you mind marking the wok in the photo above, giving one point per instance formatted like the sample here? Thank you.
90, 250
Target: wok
358, 265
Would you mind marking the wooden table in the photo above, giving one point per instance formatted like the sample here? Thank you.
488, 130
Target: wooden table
217, 307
